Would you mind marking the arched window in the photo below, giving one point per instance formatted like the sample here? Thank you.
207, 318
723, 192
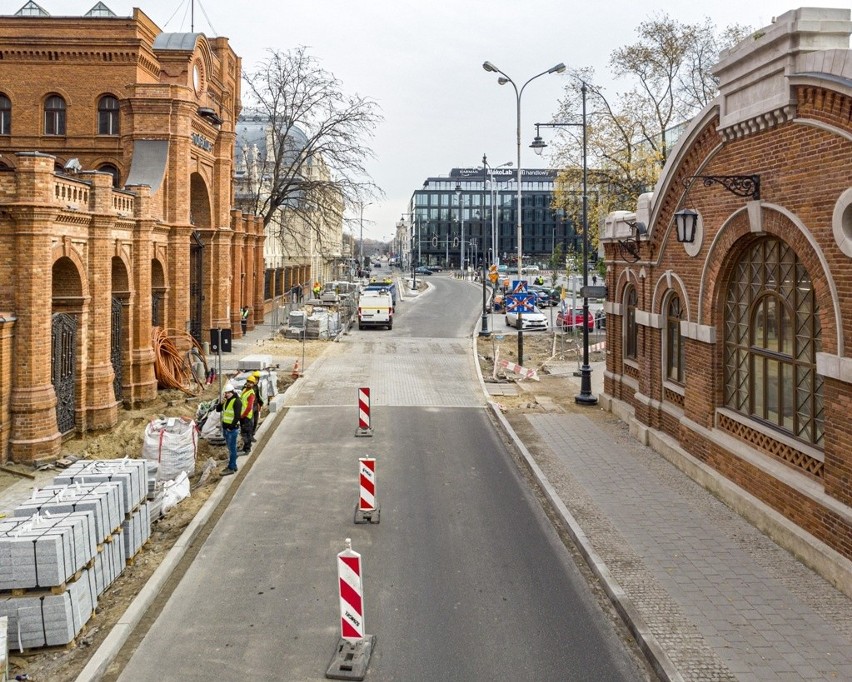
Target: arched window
54, 115
772, 337
630, 329
674, 341
108, 115
112, 170
5, 115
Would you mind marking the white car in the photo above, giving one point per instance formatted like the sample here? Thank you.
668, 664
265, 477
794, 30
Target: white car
533, 320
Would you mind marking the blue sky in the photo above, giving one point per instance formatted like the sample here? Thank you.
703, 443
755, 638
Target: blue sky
422, 62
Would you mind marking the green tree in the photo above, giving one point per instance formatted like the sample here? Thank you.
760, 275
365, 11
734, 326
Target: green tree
630, 135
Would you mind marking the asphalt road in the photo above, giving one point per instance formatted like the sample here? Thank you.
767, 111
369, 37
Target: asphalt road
464, 577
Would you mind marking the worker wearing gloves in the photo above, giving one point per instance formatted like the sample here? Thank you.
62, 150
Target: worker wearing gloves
231, 408
247, 398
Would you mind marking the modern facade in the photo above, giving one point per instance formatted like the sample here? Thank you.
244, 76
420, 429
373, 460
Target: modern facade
452, 216
730, 351
121, 221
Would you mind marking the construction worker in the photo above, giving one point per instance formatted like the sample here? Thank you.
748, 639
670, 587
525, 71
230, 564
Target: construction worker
247, 413
317, 289
258, 404
230, 407
244, 313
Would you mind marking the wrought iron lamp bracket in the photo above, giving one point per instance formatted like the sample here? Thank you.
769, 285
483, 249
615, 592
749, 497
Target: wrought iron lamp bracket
630, 247
741, 185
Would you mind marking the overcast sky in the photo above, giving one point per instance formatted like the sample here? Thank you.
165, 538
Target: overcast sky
422, 62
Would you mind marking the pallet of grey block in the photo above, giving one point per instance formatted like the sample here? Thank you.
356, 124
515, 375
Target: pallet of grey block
109, 563
136, 529
48, 619
104, 500
45, 550
130, 473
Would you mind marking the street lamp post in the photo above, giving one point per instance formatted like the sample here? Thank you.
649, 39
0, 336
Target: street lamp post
585, 396
361, 245
414, 236
488, 66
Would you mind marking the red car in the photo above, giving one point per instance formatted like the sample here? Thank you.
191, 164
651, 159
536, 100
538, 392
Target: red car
570, 319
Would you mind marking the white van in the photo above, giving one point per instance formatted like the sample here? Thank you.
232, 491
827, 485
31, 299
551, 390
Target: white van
375, 309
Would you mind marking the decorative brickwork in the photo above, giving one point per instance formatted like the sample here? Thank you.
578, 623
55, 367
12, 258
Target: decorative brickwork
72, 244
801, 147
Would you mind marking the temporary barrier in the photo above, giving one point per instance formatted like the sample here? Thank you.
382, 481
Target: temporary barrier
367, 511
352, 655
364, 428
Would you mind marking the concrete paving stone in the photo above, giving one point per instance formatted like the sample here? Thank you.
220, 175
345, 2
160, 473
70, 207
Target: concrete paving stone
701, 553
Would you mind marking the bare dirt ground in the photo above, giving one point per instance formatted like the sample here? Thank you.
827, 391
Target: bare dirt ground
541, 349
65, 663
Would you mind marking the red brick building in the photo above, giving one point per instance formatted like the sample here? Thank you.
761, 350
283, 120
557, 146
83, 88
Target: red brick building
120, 221
730, 352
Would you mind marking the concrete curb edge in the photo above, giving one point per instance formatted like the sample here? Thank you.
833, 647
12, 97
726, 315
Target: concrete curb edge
123, 628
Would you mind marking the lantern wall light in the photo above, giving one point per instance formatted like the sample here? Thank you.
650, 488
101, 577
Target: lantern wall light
686, 219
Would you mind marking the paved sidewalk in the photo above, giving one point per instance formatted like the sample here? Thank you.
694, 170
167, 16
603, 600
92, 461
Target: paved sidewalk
708, 596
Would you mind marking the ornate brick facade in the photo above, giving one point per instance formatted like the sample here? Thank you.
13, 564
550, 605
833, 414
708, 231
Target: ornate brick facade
783, 113
120, 222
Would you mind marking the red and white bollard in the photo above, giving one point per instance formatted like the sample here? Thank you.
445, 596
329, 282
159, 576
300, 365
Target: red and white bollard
352, 655
364, 428
367, 510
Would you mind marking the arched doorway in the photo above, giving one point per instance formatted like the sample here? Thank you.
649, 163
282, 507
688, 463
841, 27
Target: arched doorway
158, 293
67, 299
199, 216
118, 324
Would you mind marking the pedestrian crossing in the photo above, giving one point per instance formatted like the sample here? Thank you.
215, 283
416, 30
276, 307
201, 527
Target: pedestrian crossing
399, 372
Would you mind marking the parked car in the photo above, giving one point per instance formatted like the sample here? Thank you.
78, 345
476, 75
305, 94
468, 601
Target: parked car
546, 296
533, 320
570, 319
422, 270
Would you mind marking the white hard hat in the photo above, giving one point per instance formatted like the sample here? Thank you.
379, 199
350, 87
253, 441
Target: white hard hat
228, 387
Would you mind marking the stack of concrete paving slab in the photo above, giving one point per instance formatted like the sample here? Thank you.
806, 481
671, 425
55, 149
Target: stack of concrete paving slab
45, 550
65, 545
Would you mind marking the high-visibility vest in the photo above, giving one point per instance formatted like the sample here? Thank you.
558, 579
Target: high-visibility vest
247, 399
228, 416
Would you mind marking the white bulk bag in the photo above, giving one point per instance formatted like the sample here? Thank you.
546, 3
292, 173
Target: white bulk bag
172, 442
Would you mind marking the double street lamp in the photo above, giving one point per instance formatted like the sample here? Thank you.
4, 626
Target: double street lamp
502, 80
585, 396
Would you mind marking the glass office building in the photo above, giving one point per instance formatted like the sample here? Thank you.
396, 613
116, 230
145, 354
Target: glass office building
472, 212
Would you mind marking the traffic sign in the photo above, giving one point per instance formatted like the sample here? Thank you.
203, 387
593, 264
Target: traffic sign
493, 276
519, 286
520, 303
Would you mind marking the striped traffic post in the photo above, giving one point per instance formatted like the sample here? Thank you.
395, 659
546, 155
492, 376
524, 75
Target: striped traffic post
364, 428
367, 510
352, 655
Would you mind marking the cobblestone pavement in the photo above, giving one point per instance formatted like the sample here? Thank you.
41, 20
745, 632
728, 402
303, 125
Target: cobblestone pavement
719, 599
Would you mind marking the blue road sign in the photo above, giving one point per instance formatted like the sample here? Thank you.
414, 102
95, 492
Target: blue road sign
520, 303
519, 286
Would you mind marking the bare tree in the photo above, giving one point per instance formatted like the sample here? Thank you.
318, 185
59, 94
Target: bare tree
629, 137
311, 161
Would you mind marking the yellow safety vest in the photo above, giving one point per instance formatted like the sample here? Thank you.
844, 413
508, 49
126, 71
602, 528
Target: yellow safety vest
228, 412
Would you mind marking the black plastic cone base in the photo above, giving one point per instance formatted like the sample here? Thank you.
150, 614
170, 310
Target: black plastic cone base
350, 659
368, 515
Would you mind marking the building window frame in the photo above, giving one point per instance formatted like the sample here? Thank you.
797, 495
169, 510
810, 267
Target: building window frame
108, 118
5, 115
55, 115
673, 351
772, 337
631, 330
